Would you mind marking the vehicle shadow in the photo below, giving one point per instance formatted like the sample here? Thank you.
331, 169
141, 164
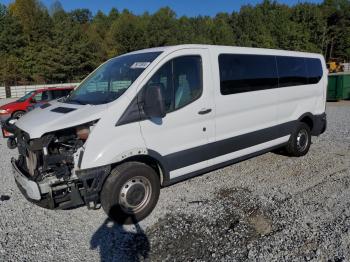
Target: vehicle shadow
118, 243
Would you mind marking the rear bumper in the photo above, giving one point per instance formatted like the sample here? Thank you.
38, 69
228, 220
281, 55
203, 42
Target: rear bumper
319, 124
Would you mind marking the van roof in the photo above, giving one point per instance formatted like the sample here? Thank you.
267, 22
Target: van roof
228, 49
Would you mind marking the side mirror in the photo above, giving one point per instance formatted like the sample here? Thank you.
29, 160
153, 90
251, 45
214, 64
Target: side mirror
154, 105
32, 100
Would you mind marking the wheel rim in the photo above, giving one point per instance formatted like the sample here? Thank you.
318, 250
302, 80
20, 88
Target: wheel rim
135, 194
302, 140
18, 116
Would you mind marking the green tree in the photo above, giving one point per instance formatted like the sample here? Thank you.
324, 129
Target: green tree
11, 48
72, 54
250, 28
55, 8
337, 13
127, 33
41, 46
81, 16
161, 28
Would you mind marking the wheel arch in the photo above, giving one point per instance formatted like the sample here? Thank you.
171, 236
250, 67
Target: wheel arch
308, 119
152, 159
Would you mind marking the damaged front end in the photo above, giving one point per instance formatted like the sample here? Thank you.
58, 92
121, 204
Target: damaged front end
48, 173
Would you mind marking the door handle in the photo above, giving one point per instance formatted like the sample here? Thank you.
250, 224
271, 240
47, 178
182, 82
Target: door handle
205, 111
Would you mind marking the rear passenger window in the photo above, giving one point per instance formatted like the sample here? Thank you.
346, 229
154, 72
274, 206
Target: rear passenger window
181, 81
292, 71
314, 70
42, 96
246, 73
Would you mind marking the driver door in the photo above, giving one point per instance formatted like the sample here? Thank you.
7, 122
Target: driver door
182, 136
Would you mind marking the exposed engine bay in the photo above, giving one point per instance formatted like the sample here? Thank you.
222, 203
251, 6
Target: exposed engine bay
51, 155
53, 162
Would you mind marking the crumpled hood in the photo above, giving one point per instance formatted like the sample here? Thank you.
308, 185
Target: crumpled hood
58, 116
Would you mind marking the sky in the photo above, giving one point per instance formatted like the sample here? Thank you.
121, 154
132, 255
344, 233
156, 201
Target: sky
181, 7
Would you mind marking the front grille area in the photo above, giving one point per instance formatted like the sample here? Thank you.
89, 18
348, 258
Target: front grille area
28, 159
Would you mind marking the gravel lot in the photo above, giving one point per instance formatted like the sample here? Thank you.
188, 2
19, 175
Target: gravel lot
269, 208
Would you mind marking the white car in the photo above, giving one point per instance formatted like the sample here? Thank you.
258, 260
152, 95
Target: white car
151, 118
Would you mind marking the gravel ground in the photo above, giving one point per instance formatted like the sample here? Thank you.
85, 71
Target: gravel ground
269, 208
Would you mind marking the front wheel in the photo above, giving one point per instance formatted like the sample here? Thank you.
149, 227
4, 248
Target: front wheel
18, 114
130, 193
300, 141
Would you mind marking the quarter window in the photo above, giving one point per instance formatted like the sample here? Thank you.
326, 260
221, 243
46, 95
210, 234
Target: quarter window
292, 71
314, 70
181, 81
245, 73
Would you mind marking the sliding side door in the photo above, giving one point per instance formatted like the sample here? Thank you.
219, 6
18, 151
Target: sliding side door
245, 97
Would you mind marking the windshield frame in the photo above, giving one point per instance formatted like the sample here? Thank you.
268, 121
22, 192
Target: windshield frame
131, 73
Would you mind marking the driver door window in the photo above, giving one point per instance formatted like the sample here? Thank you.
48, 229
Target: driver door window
180, 80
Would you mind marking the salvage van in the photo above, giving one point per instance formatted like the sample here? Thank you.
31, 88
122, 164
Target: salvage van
151, 118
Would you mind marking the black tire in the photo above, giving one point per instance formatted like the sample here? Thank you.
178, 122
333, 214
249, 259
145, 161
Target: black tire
18, 114
118, 181
299, 141
11, 143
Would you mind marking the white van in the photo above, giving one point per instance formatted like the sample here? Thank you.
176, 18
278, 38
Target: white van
148, 119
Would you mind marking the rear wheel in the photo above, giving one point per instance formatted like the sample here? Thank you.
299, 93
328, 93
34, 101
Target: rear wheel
130, 193
18, 114
300, 141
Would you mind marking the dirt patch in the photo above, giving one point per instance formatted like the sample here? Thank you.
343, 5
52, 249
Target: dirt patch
234, 222
261, 223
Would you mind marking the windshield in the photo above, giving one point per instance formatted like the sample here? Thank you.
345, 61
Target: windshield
26, 96
112, 79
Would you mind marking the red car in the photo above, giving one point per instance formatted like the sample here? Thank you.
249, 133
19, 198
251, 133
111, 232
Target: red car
19, 107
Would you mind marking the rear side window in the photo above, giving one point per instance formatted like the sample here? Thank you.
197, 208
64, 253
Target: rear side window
292, 71
314, 70
181, 81
246, 73
41, 96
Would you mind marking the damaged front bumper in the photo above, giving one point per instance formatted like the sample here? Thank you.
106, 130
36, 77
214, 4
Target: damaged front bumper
52, 193
31, 188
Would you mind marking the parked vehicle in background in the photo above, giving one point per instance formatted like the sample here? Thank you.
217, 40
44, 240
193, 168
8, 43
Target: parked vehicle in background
335, 65
154, 117
38, 97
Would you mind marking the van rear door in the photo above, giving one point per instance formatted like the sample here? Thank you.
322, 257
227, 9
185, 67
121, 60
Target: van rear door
183, 134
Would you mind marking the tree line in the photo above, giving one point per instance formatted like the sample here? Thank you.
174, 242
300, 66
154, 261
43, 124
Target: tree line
49, 45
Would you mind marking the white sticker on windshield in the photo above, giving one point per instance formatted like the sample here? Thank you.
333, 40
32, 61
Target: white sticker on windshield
142, 65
